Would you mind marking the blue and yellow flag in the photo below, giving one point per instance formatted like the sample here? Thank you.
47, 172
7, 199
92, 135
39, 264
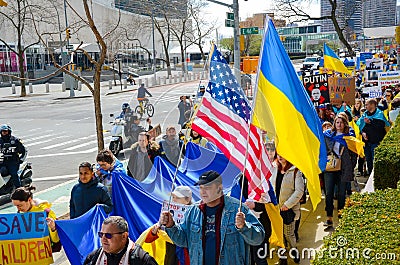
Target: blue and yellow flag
332, 61
283, 108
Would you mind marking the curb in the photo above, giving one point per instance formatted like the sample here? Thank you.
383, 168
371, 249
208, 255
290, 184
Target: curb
12, 100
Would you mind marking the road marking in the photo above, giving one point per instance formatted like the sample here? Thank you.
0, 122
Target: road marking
46, 141
67, 142
85, 144
55, 177
65, 154
40, 137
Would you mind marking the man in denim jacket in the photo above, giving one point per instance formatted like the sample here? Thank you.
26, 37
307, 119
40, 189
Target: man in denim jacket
214, 231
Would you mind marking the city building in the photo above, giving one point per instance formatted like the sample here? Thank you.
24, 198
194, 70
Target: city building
379, 39
348, 11
175, 9
257, 20
397, 15
297, 39
379, 13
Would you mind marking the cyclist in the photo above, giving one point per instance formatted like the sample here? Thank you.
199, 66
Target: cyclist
141, 96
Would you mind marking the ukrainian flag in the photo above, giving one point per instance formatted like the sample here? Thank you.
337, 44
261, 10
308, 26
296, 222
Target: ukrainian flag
332, 61
283, 108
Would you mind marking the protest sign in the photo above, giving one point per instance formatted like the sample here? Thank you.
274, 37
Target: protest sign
371, 76
388, 79
374, 64
375, 92
24, 239
177, 210
317, 88
342, 90
156, 131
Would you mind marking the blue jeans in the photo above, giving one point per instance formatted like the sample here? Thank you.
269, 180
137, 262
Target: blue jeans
13, 168
332, 179
369, 150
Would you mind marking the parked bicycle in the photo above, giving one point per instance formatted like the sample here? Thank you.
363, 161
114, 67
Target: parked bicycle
144, 107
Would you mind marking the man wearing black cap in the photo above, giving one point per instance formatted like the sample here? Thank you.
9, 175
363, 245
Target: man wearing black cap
214, 231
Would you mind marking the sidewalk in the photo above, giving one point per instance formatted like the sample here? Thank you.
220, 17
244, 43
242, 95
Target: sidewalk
56, 93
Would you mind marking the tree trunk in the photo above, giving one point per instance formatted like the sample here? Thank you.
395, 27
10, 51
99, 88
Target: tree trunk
203, 56
183, 59
97, 109
340, 31
22, 73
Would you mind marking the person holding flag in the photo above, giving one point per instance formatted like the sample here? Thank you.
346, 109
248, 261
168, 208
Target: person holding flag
214, 231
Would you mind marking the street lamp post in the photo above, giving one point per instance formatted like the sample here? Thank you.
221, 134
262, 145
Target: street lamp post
71, 88
154, 45
236, 49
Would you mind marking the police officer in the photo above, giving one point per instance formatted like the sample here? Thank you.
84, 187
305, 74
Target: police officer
13, 151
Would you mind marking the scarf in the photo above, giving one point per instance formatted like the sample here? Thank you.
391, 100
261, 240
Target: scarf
218, 218
102, 259
378, 114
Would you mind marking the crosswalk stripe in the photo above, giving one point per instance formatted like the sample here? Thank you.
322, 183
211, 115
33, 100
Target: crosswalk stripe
40, 137
68, 142
64, 154
85, 144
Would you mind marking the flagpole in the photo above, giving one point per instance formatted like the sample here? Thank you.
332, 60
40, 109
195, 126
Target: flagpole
186, 134
251, 117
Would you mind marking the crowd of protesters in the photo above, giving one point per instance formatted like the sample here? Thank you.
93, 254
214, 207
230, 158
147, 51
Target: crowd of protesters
219, 229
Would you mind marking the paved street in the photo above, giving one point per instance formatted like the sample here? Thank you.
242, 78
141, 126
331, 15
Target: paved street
60, 133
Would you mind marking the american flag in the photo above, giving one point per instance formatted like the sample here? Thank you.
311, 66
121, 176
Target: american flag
223, 118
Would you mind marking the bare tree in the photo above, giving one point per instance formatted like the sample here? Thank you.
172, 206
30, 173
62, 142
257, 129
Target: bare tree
17, 19
88, 20
340, 15
202, 25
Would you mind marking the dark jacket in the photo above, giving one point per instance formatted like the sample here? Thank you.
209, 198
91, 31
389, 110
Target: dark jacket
86, 195
137, 257
170, 149
142, 91
152, 152
375, 130
12, 154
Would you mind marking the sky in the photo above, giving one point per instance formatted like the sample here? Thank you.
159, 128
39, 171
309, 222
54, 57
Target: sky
246, 9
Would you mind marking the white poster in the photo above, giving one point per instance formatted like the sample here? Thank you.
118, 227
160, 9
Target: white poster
374, 64
388, 79
177, 210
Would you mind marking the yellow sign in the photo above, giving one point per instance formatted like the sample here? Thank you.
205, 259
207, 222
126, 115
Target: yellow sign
33, 251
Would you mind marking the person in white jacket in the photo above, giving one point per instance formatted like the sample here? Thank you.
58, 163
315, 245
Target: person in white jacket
288, 185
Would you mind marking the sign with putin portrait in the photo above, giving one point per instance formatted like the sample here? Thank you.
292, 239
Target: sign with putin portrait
24, 239
342, 90
317, 88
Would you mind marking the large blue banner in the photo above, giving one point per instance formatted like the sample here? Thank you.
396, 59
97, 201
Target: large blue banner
140, 202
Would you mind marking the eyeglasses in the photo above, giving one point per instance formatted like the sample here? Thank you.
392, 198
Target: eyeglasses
108, 235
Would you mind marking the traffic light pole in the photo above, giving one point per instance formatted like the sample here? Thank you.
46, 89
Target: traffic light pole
71, 88
236, 47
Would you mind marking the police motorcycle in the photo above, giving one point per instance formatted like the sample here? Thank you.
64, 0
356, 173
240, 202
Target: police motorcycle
24, 173
120, 131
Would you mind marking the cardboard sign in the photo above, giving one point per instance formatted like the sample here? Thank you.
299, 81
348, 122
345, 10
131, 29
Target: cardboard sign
374, 64
317, 88
156, 131
24, 239
177, 210
388, 79
342, 90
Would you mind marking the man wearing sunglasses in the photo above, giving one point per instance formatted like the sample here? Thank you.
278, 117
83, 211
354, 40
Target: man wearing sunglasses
117, 248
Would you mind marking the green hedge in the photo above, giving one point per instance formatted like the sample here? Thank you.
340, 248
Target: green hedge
370, 224
387, 159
